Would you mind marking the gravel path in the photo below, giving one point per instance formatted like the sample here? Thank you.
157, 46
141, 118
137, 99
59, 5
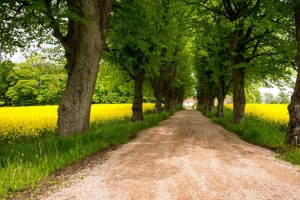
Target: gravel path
186, 157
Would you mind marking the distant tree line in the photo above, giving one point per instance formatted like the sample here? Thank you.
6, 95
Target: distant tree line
40, 82
33, 82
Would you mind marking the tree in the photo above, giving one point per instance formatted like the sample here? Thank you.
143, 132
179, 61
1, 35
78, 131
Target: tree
80, 27
268, 98
253, 95
35, 81
112, 85
211, 62
5, 69
282, 98
51, 86
23, 83
293, 130
255, 30
129, 45
170, 58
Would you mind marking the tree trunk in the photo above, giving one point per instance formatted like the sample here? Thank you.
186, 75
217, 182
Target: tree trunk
173, 97
167, 101
158, 101
137, 105
156, 87
199, 97
180, 97
208, 96
84, 45
239, 98
222, 92
210, 105
220, 107
293, 129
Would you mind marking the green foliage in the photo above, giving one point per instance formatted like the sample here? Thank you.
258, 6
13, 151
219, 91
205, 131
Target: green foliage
51, 87
25, 163
129, 40
33, 82
112, 85
282, 98
253, 95
6, 68
262, 40
115, 86
27, 23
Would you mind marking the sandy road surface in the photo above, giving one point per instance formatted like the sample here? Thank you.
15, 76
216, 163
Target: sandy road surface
186, 157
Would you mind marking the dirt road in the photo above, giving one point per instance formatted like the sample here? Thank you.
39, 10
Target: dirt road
186, 157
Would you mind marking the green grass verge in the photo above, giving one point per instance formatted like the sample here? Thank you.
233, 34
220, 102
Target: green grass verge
24, 163
260, 132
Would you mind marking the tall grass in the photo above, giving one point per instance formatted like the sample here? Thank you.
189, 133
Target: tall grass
24, 163
260, 131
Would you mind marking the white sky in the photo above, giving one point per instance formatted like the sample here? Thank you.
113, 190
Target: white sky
275, 91
18, 57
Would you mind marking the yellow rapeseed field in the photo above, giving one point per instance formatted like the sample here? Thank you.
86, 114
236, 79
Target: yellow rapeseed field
31, 120
273, 112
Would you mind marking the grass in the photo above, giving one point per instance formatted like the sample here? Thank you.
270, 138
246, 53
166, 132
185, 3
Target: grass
24, 163
259, 131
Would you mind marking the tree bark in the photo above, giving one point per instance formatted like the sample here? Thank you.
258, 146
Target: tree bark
293, 129
173, 97
166, 102
220, 107
84, 44
137, 105
158, 102
222, 92
156, 87
208, 96
239, 97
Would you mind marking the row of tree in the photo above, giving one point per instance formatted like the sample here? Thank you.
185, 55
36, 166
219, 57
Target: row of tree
244, 43
231, 44
30, 83
153, 48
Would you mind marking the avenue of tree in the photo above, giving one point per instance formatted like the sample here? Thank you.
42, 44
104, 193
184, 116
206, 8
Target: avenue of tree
150, 50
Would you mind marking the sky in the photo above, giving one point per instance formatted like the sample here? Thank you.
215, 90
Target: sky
275, 91
18, 57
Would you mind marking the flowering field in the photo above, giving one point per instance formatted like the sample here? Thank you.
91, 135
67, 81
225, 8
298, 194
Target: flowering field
273, 112
31, 120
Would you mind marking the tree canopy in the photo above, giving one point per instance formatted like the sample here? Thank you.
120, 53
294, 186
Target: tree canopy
167, 49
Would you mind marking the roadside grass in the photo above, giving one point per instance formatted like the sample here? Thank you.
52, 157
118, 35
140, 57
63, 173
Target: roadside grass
259, 131
26, 162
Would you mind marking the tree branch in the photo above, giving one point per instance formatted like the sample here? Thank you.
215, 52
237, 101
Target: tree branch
255, 6
260, 54
208, 8
56, 31
229, 10
256, 46
17, 10
240, 9
256, 37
